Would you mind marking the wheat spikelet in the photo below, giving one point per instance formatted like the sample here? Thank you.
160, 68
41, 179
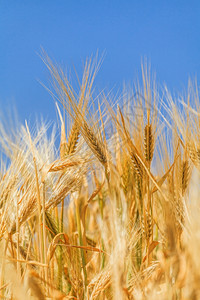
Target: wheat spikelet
179, 214
26, 211
126, 174
139, 191
62, 165
51, 224
100, 283
185, 170
63, 142
35, 287
94, 144
73, 139
194, 154
63, 190
146, 226
138, 168
148, 143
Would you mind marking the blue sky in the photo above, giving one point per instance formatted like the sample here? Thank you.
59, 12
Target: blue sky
167, 33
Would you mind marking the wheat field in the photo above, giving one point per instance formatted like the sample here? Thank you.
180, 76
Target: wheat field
113, 212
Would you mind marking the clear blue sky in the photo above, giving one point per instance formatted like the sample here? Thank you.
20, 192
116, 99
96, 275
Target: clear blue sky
166, 32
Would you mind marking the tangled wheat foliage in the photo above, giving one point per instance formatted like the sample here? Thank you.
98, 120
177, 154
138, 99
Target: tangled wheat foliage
113, 212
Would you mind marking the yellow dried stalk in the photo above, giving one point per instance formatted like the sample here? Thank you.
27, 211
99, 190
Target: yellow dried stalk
38, 194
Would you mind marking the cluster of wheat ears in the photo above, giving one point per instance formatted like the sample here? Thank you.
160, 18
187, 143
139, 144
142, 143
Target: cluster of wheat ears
113, 212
